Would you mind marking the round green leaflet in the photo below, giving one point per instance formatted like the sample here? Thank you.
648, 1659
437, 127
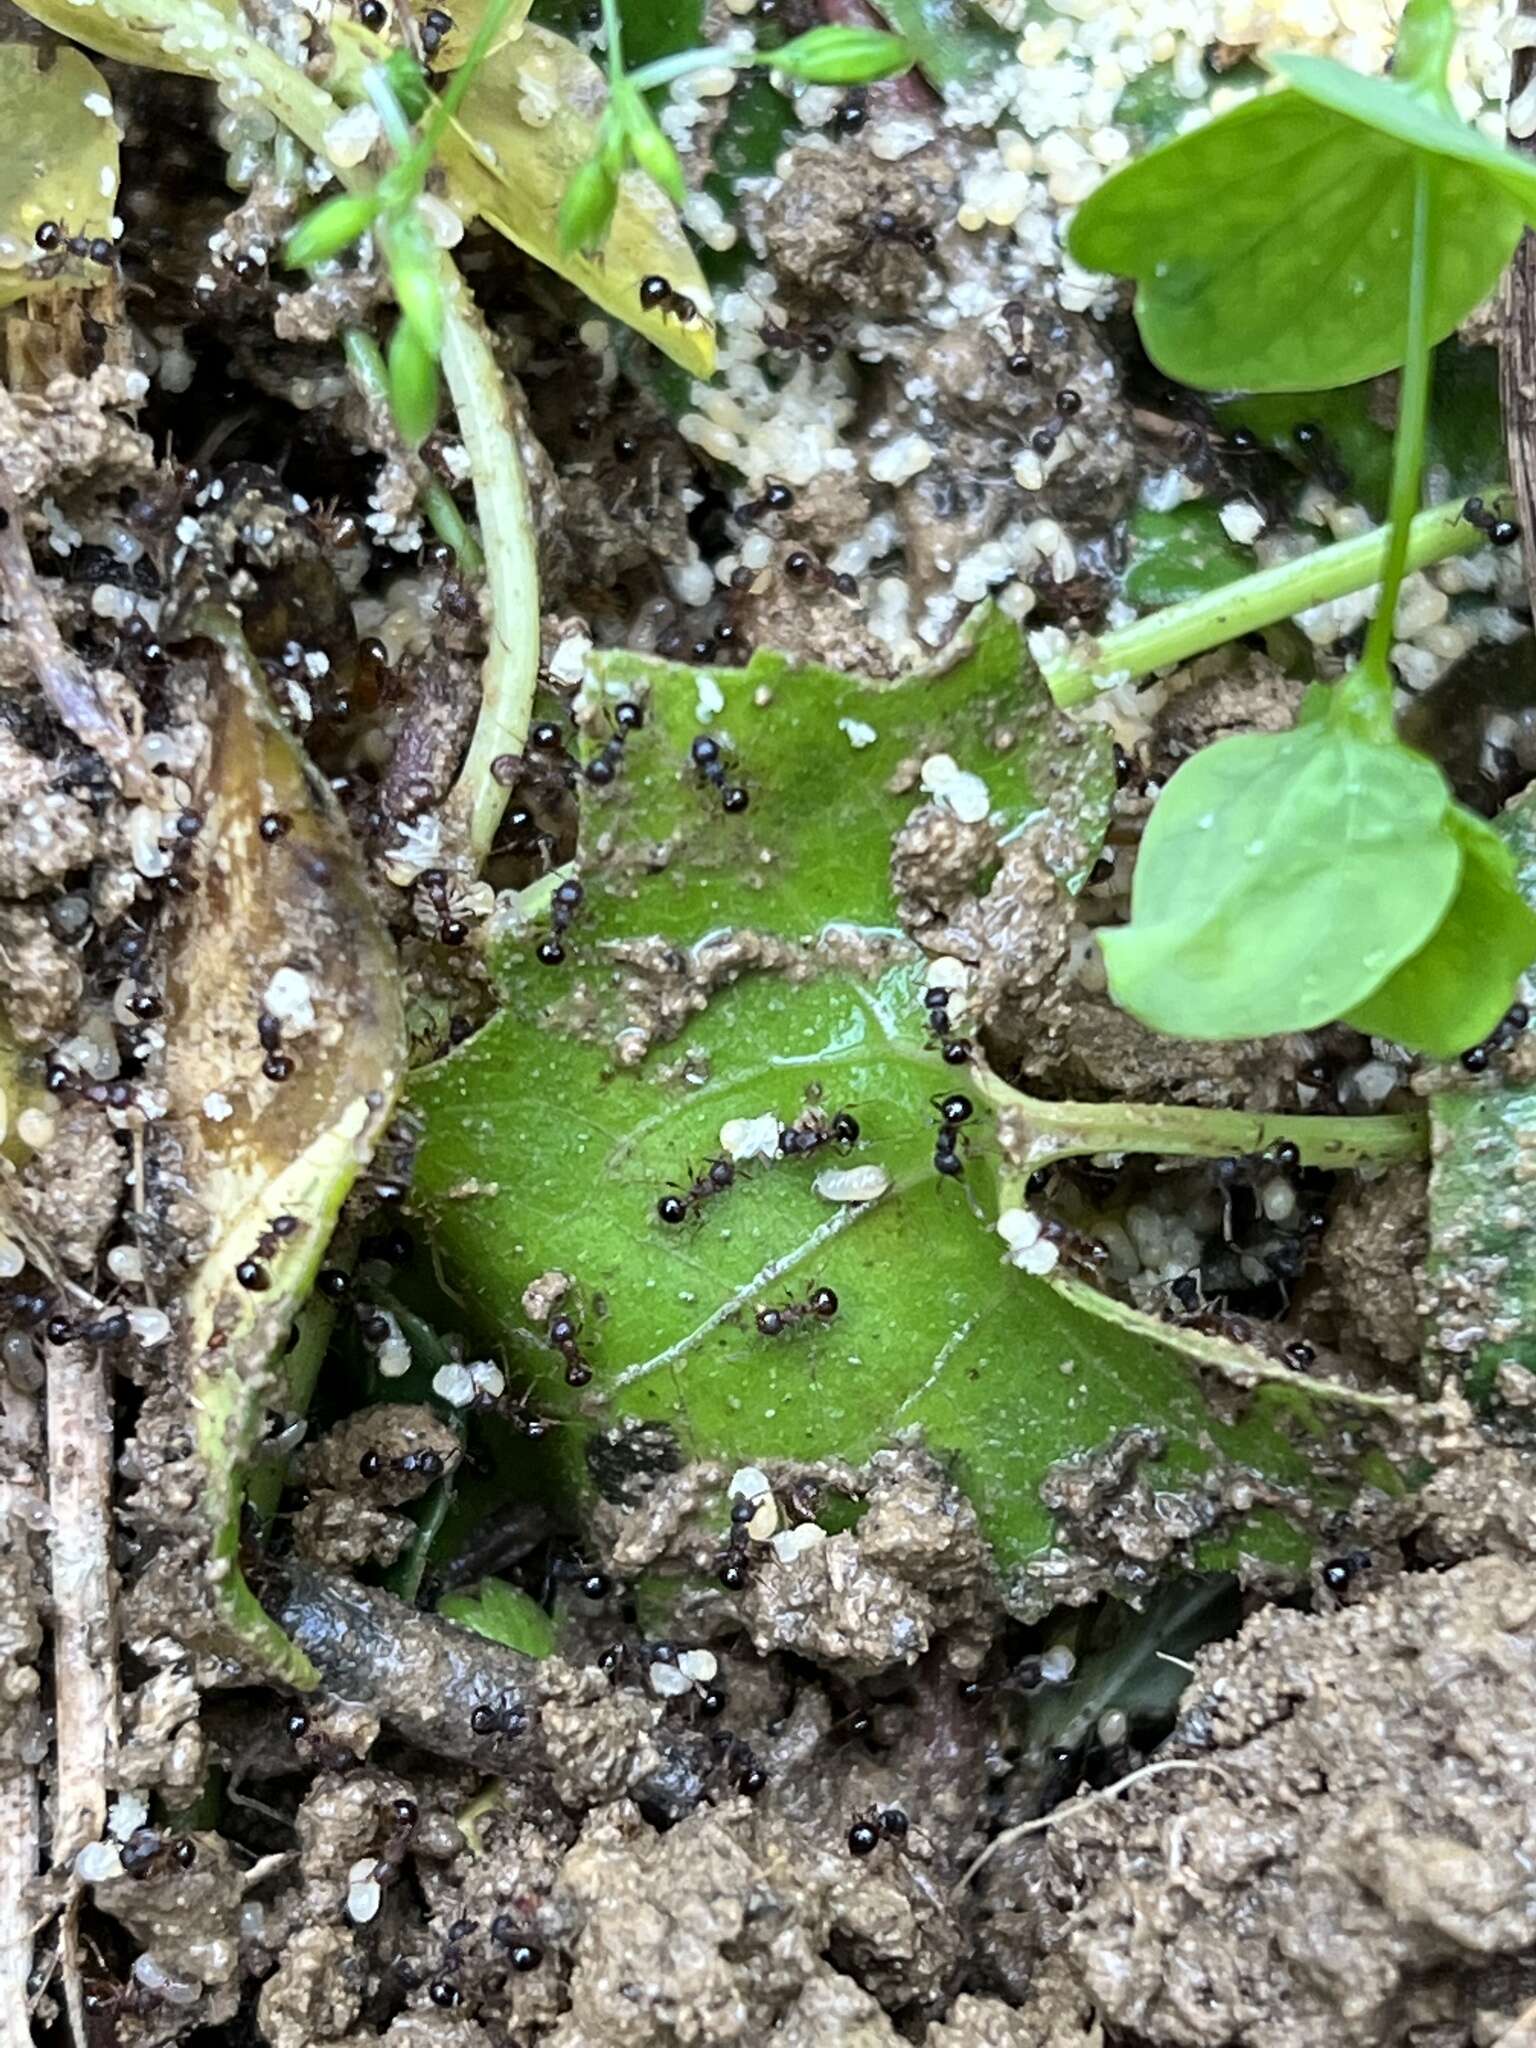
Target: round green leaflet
1454, 990
1270, 247
1282, 878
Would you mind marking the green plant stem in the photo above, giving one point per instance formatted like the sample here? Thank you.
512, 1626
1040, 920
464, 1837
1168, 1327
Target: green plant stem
1034, 1134
474, 805
365, 360
662, 70
1182, 631
1407, 443
613, 33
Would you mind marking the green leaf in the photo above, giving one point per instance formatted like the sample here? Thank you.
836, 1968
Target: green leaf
842, 56
503, 1614
1454, 990
815, 751
951, 41
1270, 246
538, 1154
59, 165
1281, 879
1179, 554
527, 125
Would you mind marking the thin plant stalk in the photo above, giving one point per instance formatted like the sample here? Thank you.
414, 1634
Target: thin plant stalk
365, 360
475, 804
1035, 1134
1407, 445
1181, 631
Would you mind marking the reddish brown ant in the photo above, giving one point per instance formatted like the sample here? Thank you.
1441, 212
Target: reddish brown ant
563, 1333
812, 341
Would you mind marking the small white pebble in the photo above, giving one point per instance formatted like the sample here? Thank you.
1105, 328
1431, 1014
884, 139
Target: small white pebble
217, 1106
1057, 1665
489, 1379
859, 734
852, 1183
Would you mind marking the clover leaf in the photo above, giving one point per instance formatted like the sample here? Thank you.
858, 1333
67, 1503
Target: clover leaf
1282, 878
1270, 247
1454, 990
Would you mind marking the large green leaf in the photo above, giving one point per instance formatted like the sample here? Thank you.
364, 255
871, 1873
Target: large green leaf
538, 1155
817, 753
1270, 247
1282, 878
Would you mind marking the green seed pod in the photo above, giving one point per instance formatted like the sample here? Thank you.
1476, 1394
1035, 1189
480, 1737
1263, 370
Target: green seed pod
841, 56
413, 275
413, 384
329, 229
653, 151
587, 207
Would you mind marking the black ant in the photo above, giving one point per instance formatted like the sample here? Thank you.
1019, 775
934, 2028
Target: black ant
815, 1130
1322, 457
812, 341
1074, 1246
1502, 532
1020, 361
504, 1717
773, 1321
888, 227
946, 1152
714, 1180
563, 1334
148, 1853
277, 1065
602, 771
433, 884
565, 903
709, 764
889, 1824
403, 1812
954, 1051
777, 497
801, 566
657, 295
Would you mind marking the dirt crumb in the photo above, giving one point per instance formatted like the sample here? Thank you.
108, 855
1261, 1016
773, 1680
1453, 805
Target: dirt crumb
1375, 1243
1353, 1871
316, 1991
69, 1193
